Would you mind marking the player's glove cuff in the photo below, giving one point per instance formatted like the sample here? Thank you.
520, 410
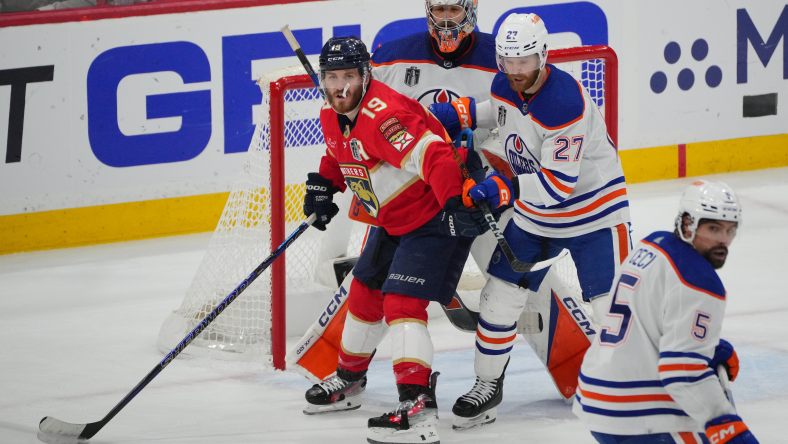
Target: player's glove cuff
729, 429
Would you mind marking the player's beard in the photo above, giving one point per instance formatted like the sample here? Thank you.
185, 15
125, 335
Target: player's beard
522, 82
716, 256
345, 105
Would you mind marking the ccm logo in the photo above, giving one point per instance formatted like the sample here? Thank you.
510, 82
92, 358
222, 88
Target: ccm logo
579, 315
332, 307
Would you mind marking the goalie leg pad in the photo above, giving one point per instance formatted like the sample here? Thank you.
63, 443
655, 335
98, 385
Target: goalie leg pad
411, 345
500, 306
567, 333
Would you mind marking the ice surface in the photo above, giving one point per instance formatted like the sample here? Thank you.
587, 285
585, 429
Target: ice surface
78, 329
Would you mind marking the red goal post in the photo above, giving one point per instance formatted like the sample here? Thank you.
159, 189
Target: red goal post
268, 206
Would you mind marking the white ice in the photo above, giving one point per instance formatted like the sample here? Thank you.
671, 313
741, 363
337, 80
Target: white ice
78, 330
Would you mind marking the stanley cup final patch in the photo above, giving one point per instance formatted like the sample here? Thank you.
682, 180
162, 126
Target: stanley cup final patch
501, 115
359, 182
396, 134
412, 75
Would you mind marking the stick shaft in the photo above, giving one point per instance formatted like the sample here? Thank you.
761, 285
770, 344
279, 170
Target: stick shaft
93, 428
296, 47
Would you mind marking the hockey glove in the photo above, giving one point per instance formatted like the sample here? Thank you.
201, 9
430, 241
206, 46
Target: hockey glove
729, 429
456, 115
725, 355
457, 220
319, 199
496, 190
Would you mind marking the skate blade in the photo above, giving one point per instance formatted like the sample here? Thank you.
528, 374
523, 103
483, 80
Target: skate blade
418, 433
349, 403
487, 417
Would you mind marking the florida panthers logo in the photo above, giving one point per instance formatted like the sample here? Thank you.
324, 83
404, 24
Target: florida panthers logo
359, 182
521, 160
438, 96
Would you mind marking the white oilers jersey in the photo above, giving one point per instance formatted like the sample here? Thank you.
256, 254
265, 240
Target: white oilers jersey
647, 370
411, 66
569, 174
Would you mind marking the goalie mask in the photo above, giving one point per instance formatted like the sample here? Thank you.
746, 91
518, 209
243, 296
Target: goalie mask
521, 44
344, 71
707, 200
450, 21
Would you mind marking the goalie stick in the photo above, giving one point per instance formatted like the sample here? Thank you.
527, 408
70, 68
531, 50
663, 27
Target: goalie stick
54, 427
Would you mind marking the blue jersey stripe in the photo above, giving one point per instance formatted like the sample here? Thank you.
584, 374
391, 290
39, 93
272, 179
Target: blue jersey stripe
620, 384
549, 188
688, 379
629, 413
685, 355
564, 177
497, 328
580, 198
488, 351
578, 222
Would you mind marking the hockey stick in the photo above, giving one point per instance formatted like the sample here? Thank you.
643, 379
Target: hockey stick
722, 375
296, 47
53, 426
516, 264
466, 319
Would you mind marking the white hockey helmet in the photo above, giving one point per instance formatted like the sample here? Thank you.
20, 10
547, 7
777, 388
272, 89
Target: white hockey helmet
520, 36
707, 200
449, 32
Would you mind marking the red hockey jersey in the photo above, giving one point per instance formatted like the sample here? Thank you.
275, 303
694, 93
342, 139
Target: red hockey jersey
396, 159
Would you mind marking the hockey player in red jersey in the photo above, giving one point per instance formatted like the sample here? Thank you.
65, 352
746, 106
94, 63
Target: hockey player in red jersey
649, 376
395, 157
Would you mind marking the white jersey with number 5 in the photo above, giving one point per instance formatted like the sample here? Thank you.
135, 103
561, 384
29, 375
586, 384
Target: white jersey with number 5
647, 370
556, 142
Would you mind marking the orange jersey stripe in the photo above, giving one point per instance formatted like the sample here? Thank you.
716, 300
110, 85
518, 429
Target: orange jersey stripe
687, 438
490, 340
623, 242
682, 367
556, 182
625, 398
590, 207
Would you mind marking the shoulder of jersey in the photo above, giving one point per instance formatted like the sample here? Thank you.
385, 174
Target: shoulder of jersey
560, 102
483, 55
691, 267
501, 90
411, 47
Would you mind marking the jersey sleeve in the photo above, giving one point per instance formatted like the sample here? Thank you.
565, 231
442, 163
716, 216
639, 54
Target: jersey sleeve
565, 128
329, 167
405, 139
692, 320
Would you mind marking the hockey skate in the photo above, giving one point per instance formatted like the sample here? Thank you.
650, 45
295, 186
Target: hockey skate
341, 391
415, 420
478, 406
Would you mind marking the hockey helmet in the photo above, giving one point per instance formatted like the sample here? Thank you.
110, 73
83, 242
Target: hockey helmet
520, 36
344, 53
707, 200
447, 31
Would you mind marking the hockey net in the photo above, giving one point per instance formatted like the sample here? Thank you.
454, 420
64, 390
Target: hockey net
266, 203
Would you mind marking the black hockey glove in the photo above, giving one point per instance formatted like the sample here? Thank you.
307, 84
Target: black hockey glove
458, 220
319, 199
